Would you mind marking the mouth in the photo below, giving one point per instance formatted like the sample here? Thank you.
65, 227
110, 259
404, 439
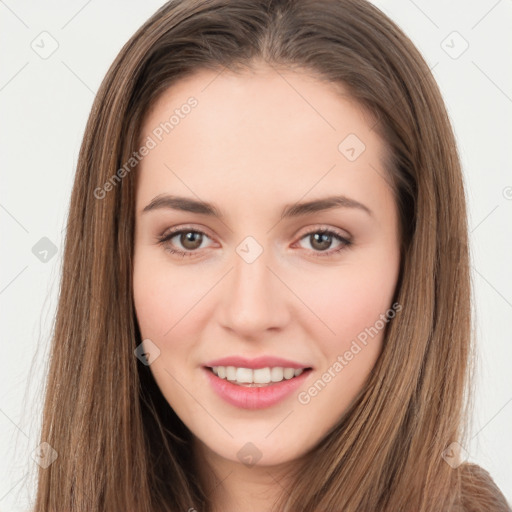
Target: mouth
240, 389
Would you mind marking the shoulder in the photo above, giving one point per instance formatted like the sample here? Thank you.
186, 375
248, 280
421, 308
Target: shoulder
479, 493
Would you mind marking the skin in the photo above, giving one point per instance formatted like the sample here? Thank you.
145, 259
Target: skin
255, 142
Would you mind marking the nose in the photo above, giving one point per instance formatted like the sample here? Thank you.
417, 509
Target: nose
254, 298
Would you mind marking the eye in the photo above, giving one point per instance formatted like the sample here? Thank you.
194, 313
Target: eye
321, 239
190, 239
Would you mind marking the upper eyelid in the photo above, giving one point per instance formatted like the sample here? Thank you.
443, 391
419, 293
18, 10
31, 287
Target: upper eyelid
314, 229
179, 230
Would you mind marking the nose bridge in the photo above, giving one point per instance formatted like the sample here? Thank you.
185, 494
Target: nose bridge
250, 277
254, 299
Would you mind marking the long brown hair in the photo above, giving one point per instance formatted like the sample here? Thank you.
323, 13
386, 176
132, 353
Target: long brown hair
120, 445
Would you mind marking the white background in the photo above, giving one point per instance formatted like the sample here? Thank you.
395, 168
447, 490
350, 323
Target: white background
44, 106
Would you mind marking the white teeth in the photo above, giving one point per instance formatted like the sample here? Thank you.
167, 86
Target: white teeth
261, 376
277, 374
258, 376
230, 372
289, 373
244, 375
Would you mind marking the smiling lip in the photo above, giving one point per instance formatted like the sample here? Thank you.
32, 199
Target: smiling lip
257, 397
254, 364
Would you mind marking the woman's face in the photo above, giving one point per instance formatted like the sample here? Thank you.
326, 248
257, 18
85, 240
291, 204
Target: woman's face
256, 283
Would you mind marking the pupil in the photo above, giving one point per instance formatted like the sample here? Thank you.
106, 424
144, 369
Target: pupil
323, 238
191, 237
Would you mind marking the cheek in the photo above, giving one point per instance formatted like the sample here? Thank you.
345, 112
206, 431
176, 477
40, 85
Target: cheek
349, 306
153, 301
353, 305
164, 297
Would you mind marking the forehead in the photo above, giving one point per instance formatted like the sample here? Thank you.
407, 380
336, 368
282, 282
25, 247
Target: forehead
262, 96
264, 129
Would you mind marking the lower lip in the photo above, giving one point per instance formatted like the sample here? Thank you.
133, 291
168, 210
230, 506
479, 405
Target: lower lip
255, 398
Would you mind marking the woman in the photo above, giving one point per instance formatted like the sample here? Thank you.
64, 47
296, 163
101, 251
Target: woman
312, 351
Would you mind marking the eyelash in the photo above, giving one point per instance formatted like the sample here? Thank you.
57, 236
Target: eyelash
321, 254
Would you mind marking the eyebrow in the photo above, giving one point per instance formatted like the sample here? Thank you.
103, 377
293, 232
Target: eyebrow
186, 204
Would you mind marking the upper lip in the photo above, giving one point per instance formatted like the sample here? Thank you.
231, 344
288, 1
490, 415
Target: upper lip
258, 362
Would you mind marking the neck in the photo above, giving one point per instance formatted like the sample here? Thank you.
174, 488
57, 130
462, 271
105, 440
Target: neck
236, 487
